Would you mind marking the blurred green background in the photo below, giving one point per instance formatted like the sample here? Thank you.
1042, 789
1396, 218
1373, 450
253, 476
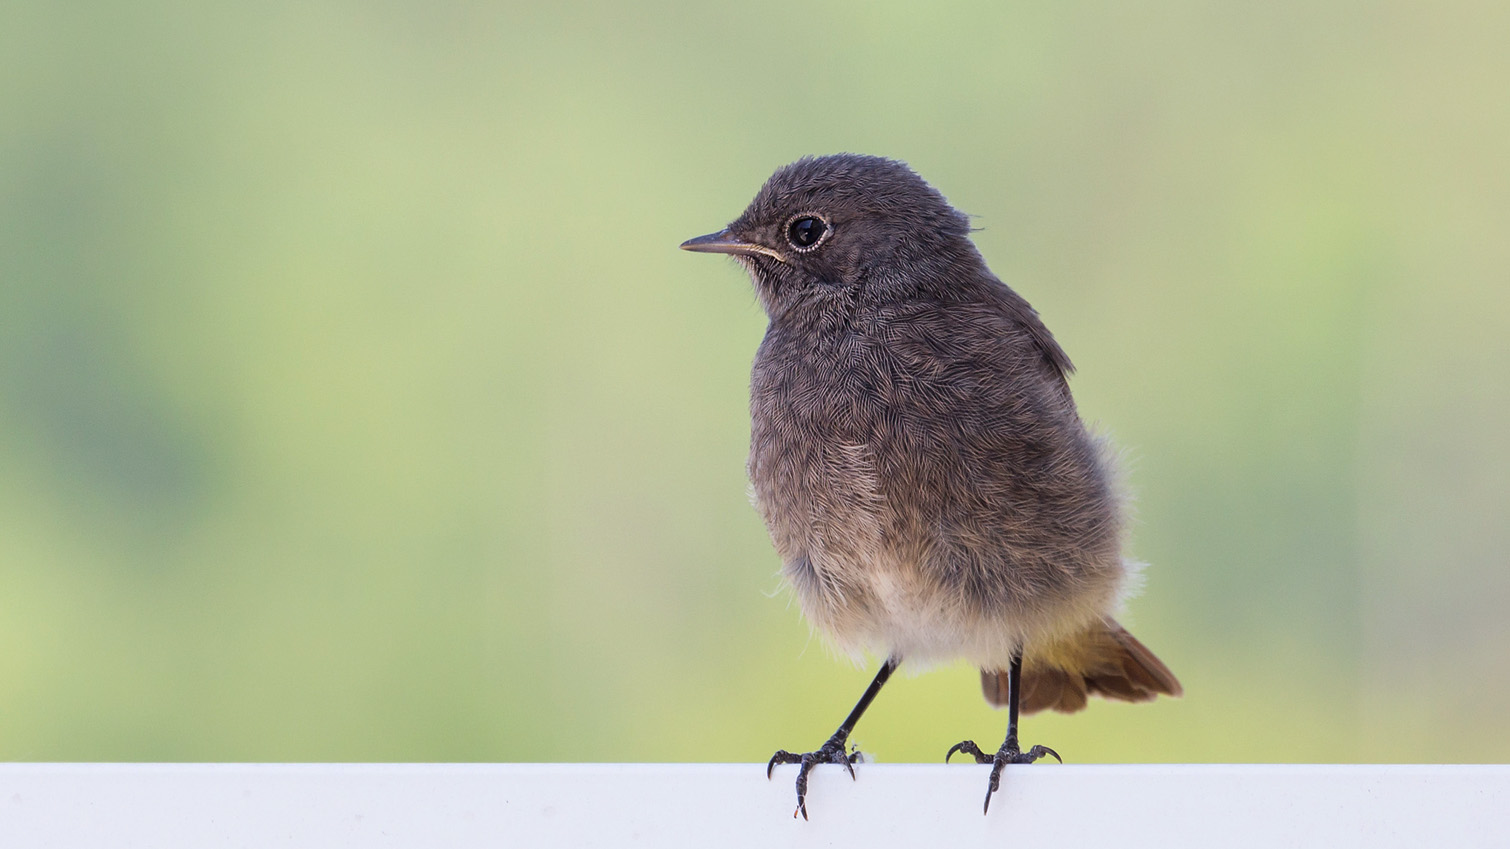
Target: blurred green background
356, 403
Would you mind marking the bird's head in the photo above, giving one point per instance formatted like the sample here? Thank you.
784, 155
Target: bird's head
843, 222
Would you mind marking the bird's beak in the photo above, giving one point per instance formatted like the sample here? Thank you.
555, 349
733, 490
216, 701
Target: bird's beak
724, 242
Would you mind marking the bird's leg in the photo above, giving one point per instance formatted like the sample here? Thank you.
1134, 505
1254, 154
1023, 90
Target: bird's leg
833, 752
1010, 752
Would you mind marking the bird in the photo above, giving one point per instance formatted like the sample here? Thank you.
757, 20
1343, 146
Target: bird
918, 459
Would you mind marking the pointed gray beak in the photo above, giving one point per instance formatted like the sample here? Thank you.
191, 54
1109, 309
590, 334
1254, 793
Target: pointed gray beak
724, 242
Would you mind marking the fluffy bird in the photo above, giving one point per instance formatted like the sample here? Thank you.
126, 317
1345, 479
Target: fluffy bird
918, 459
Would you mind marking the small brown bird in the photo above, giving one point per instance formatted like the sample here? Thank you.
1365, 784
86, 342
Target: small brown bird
918, 459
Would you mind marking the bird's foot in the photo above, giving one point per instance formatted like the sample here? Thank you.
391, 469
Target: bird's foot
831, 752
1009, 753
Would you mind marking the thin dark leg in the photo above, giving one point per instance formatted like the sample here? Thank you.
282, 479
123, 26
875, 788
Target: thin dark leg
832, 752
1014, 688
1010, 752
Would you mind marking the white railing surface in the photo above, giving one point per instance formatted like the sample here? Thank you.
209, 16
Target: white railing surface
732, 805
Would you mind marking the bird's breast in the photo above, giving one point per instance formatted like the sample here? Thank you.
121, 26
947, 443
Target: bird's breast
814, 405
912, 477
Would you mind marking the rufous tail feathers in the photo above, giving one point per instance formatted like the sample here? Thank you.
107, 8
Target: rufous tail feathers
1104, 660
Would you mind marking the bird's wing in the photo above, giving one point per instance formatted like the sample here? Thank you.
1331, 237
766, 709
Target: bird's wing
1022, 313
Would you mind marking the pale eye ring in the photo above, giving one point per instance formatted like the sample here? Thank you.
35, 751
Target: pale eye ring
806, 231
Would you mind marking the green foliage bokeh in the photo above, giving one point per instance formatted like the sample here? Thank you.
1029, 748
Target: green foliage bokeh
356, 404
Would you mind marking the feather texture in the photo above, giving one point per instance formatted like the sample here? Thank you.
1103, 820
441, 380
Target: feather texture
1103, 660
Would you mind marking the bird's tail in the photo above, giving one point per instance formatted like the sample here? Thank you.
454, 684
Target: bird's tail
1104, 659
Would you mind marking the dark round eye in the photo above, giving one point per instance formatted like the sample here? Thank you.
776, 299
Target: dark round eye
805, 232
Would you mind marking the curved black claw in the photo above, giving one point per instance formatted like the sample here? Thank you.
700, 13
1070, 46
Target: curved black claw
1011, 755
968, 747
831, 752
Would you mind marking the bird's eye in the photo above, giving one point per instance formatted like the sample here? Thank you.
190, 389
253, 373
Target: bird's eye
805, 232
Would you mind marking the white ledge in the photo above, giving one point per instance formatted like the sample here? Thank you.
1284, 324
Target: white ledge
732, 805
